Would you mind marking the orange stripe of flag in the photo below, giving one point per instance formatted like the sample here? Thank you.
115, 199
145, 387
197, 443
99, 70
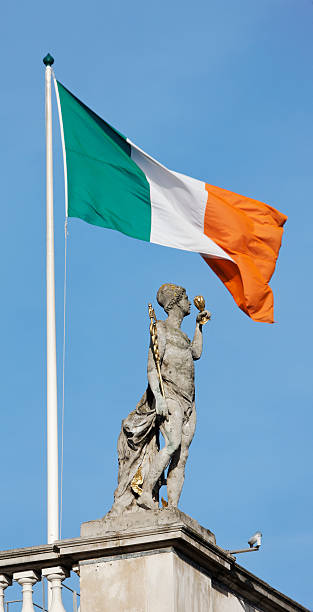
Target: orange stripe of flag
251, 233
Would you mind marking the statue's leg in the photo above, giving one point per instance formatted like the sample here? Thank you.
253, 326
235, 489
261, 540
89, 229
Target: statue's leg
176, 472
172, 433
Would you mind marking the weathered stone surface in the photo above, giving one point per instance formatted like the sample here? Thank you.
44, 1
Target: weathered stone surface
141, 519
159, 582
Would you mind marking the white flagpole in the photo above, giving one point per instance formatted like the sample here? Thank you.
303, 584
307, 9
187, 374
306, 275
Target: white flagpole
52, 405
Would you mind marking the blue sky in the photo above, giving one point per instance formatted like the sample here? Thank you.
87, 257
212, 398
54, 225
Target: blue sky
222, 91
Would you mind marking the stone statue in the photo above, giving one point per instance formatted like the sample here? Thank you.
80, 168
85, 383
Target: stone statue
141, 460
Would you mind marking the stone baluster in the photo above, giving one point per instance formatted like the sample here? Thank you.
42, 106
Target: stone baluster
27, 581
55, 575
5, 581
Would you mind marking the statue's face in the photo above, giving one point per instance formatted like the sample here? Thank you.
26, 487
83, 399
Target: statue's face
184, 304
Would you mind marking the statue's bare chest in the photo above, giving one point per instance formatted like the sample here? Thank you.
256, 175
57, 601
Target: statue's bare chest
177, 364
177, 350
175, 338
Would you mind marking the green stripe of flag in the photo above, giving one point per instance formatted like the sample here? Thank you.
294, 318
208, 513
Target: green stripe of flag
105, 186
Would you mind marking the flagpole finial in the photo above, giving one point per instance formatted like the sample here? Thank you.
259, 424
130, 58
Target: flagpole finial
48, 60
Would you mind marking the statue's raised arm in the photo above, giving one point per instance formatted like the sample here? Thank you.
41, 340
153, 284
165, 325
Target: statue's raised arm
202, 318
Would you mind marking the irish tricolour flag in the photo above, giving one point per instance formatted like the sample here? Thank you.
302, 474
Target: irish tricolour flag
113, 183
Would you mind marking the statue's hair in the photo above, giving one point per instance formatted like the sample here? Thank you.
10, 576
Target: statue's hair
169, 295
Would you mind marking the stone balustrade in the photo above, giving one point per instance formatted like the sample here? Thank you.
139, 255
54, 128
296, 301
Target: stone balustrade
27, 578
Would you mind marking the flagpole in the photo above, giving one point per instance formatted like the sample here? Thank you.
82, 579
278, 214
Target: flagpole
52, 405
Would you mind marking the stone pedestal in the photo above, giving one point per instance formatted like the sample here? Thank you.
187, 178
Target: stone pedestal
152, 575
164, 561
144, 582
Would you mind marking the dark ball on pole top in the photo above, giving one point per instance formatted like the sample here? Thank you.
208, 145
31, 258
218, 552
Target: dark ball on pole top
48, 60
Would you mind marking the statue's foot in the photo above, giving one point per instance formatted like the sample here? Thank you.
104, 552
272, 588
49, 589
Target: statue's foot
145, 501
172, 504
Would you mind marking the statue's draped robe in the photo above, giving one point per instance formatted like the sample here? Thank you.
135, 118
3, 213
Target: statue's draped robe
137, 445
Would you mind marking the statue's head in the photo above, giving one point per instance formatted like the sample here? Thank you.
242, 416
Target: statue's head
170, 295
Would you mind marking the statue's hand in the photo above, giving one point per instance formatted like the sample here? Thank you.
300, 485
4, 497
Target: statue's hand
203, 317
161, 407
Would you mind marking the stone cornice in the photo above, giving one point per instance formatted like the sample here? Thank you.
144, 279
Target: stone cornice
181, 537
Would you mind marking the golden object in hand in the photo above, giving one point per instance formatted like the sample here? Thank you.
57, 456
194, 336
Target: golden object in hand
200, 304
